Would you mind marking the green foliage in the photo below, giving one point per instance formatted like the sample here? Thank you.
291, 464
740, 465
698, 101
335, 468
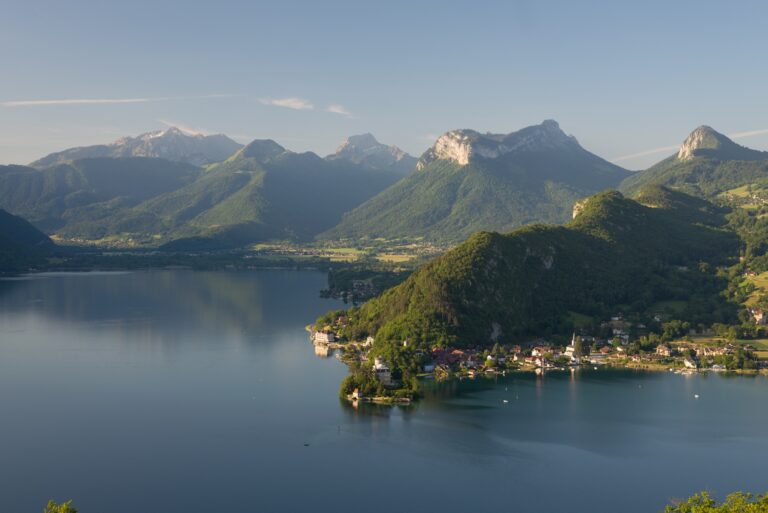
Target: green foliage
674, 329
616, 251
362, 380
374, 278
64, 507
578, 347
752, 227
365, 381
738, 502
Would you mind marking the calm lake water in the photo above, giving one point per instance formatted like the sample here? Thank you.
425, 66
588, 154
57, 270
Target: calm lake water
181, 391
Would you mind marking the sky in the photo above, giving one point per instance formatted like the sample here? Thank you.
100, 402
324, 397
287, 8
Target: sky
629, 79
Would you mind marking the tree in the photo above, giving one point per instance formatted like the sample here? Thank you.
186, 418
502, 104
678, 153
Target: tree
578, 347
738, 502
64, 507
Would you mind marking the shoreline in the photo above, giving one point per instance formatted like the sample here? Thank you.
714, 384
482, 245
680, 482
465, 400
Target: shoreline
491, 374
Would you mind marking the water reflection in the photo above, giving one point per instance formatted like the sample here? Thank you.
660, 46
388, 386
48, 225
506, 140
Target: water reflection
323, 351
181, 381
161, 305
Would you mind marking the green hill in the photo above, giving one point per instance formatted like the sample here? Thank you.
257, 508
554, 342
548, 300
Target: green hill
261, 192
470, 181
616, 252
68, 194
21, 244
707, 164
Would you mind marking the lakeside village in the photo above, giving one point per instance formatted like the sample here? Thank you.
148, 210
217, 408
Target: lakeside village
620, 344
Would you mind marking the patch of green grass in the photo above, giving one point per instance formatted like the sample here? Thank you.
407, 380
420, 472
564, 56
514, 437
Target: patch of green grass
677, 307
344, 251
758, 343
395, 257
580, 320
760, 282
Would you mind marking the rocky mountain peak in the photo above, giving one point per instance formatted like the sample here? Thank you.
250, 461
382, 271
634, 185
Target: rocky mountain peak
172, 143
702, 138
174, 130
359, 142
461, 146
365, 149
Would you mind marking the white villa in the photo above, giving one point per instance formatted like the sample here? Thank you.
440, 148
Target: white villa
382, 371
324, 337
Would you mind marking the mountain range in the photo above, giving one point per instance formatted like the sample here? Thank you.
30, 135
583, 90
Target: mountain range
174, 189
468, 181
254, 192
261, 192
171, 144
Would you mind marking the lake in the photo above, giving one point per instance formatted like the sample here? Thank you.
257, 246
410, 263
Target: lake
182, 391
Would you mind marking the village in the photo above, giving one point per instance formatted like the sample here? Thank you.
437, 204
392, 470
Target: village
685, 354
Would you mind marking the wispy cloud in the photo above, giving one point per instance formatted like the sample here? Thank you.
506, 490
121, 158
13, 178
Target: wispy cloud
335, 108
663, 149
645, 153
750, 133
74, 101
184, 128
104, 101
289, 103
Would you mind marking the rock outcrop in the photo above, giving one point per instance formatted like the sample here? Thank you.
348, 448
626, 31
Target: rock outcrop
461, 146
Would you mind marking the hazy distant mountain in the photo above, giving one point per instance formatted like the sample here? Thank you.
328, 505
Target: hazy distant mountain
364, 149
170, 144
469, 181
15, 231
21, 244
87, 189
263, 191
706, 164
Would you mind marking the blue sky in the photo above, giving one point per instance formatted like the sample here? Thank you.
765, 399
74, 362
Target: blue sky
623, 77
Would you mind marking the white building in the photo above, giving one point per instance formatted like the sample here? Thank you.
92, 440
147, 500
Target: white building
757, 315
570, 351
382, 371
324, 337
